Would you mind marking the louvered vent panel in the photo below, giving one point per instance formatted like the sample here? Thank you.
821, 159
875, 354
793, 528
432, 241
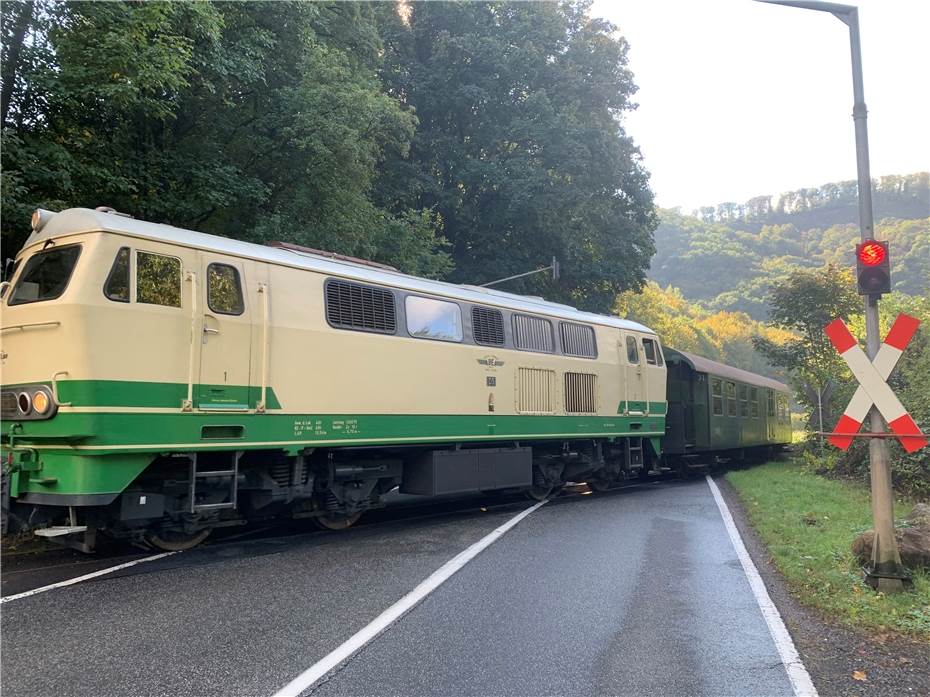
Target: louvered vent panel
354, 306
578, 340
580, 393
487, 326
532, 334
535, 391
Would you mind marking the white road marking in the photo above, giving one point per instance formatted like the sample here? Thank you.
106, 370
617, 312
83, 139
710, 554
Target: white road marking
358, 640
85, 577
800, 679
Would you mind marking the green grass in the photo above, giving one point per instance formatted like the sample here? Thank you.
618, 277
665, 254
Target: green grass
809, 523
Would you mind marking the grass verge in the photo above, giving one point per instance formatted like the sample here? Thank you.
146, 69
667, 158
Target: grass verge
808, 523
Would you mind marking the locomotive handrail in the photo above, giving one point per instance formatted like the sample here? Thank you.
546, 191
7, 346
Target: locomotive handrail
55, 388
52, 323
263, 291
188, 404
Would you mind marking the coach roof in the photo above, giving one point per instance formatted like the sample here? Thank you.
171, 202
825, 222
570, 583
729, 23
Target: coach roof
75, 221
705, 365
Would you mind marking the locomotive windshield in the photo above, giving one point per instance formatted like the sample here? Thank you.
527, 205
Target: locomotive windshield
45, 275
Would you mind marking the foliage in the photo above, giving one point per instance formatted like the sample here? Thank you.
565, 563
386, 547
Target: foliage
250, 120
520, 148
686, 326
728, 259
808, 523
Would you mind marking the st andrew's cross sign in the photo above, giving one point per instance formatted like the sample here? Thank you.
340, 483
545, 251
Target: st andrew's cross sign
873, 387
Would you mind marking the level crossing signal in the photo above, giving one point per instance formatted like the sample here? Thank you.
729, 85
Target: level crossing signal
873, 267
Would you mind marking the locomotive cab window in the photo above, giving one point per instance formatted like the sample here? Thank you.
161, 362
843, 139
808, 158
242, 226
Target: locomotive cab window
224, 290
533, 334
158, 279
651, 351
716, 390
632, 353
433, 319
117, 285
46, 275
731, 398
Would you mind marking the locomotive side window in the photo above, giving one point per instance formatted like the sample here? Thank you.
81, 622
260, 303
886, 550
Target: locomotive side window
754, 402
224, 290
716, 390
533, 334
652, 352
158, 279
433, 319
487, 325
743, 401
363, 308
578, 340
771, 404
117, 285
632, 353
45, 275
9, 272
731, 398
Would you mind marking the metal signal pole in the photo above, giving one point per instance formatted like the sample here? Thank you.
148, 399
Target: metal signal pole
886, 574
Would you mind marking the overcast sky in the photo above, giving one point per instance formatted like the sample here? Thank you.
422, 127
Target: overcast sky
737, 98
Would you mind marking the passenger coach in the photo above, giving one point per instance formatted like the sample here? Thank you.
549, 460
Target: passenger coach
159, 383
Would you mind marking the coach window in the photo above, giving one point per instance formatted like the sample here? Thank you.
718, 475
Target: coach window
224, 290
433, 319
743, 401
158, 279
533, 334
632, 353
731, 398
754, 402
117, 285
771, 403
716, 390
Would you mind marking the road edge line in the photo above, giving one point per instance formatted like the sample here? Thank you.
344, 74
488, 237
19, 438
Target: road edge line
373, 629
800, 679
85, 577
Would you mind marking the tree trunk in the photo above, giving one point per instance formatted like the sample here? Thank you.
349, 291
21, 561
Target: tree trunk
12, 62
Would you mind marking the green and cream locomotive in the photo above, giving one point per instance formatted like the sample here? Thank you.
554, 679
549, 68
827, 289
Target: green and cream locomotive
159, 383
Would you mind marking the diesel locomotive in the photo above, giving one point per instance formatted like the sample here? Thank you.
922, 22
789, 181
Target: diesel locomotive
159, 383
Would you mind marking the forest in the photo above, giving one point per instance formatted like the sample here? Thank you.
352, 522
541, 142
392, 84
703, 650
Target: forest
464, 141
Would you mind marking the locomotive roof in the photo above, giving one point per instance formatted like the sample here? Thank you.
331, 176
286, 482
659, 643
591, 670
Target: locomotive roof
74, 221
705, 365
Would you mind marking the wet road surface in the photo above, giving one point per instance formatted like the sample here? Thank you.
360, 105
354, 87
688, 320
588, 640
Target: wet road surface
633, 592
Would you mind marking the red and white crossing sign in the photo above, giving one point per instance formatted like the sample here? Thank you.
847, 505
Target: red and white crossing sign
873, 387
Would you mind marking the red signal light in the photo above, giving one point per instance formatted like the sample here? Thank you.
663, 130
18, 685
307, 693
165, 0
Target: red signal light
872, 253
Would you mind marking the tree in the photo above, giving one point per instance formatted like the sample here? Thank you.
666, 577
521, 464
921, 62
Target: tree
520, 148
251, 120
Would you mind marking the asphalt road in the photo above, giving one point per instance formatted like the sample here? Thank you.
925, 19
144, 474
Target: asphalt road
634, 592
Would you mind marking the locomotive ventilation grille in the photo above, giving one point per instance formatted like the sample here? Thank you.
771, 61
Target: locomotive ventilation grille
536, 391
487, 326
577, 340
360, 307
8, 408
580, 393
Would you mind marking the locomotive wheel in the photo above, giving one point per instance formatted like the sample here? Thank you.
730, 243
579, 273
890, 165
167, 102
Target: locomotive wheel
337, 521
539, 492
599, 485
172, 541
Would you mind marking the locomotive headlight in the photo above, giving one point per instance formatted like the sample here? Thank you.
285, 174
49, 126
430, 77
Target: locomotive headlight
41, 402
24, 402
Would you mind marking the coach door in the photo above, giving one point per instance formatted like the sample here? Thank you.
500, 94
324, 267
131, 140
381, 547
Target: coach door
226, 337
634, 389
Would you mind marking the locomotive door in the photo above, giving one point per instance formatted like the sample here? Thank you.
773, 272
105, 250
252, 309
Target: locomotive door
226, 336
634, 387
